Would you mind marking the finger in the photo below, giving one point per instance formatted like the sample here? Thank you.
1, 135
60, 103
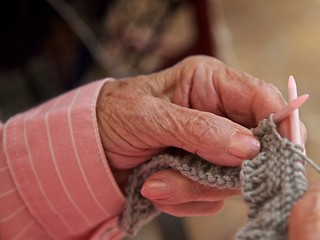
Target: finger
191, 208
206, 84
247, 100
214, 138
251, 99
304, 222
153, 123
170, 187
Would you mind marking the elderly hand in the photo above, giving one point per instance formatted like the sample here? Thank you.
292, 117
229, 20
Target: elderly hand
200, 105
304, 222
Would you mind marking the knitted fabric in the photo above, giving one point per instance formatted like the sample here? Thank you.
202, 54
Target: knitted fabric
271, 183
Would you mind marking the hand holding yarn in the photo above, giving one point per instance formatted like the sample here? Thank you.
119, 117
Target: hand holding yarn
199, 105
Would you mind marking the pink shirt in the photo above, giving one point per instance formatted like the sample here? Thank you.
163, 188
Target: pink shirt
55, 181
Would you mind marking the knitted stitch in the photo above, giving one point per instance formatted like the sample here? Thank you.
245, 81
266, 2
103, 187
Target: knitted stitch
271, 183
139, 210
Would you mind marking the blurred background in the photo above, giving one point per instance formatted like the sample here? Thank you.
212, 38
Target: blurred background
49, 47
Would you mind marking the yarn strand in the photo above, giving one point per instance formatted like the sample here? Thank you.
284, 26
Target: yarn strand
271, 183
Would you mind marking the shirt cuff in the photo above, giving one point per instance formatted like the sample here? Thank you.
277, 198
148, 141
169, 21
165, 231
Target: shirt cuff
56, 159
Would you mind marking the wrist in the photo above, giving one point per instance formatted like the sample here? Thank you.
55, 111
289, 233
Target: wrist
120, 175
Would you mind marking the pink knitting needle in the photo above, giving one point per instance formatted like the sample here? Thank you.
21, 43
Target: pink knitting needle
289, 108
294, 116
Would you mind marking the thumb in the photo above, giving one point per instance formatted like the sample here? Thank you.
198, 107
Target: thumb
304, 222
214, 138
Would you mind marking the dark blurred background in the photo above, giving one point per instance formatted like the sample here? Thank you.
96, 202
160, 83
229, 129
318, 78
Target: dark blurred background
49, 47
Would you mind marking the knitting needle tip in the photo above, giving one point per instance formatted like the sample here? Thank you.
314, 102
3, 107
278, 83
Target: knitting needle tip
289, 108
295, 135
292, 84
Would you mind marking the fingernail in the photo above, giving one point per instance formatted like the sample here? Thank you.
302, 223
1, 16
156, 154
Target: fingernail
156, 189
243, 145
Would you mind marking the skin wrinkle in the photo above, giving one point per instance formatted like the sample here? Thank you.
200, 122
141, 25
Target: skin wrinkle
159, 113
252, 107
181, 91
181, 96
117, 152
230, 113
139, 115
134, 133
157, 85
185, 93
191, 90
219, 105
114, 154
132, 127
105, 125
170, 87
261, 90
153, 124
199, 132
192, 132
200, 136
172, 124
114, 121
197, 89
202, 132
257, 87
191, 75
113, 116
218, 80
211, 92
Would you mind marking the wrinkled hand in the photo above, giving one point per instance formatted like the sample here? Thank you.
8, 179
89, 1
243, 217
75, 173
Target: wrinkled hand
200, 105
304, 222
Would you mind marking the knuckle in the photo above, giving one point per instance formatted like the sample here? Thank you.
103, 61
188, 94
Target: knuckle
200, 128
272, 92
198, 61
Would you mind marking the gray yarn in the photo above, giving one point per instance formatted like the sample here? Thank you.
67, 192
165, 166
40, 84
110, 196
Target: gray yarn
271, 183
139, 210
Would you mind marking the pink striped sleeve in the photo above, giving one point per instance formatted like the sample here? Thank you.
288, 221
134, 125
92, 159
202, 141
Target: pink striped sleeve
55, 180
